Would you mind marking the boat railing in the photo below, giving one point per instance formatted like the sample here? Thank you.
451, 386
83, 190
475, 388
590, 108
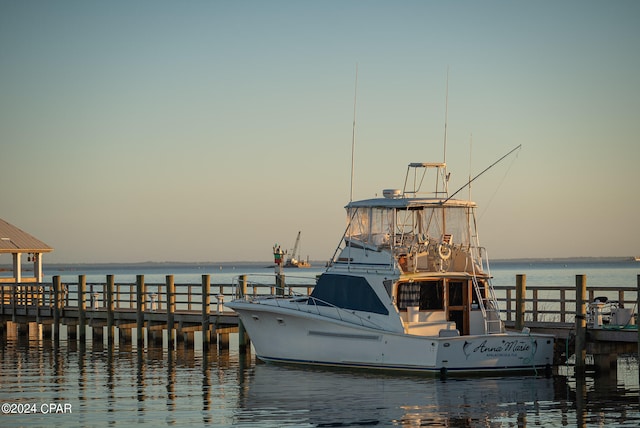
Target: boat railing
483, 256
283, 296
488, 304
260, 285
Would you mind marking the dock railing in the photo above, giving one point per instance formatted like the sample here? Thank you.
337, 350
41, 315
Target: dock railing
557, 304
541, 304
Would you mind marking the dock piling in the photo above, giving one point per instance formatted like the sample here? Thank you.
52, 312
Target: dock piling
110, 308
581, 323
171, 308
521, 293
82, 307
57, 285
243, 337
140, 303
280, 284
206, 302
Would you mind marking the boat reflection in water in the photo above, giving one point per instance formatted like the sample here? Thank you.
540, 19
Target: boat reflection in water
284, 395
342, 397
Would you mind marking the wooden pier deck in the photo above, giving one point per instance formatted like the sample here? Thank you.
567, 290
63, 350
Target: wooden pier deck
148, 309
174, 312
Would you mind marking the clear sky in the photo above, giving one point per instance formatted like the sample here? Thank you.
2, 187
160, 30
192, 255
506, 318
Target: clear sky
209, 130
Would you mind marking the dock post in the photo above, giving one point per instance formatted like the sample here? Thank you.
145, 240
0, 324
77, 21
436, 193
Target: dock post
140, 295
206, 308
280, 284
581, 323
242, 289
35, 332
110, 308
56, 307
243, 338
171, 308
37, 301
223, 340
521, 293
82, 307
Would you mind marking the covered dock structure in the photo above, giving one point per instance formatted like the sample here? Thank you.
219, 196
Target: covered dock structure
17, 242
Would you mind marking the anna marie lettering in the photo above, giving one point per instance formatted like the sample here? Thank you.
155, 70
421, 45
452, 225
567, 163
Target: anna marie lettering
507, 346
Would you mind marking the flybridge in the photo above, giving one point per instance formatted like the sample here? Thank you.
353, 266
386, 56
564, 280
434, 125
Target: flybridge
441, 177
417, 172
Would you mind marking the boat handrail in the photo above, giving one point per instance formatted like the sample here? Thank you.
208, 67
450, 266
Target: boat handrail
317, 303
235, 282
298, 298
302, 303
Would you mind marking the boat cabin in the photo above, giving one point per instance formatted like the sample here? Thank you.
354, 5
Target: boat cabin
428, 305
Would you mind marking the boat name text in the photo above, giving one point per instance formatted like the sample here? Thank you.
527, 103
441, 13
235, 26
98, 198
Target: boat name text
503, 349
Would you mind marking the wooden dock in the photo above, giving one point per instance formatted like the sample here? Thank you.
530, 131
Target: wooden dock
172, 313
569, 313
148, 309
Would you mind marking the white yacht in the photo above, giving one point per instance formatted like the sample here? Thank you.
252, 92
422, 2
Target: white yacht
408, 289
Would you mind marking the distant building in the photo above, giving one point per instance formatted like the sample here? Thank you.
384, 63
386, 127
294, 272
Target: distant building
17, 242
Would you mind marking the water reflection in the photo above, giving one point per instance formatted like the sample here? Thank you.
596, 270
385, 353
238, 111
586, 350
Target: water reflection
343, 398
292, 396
122, 384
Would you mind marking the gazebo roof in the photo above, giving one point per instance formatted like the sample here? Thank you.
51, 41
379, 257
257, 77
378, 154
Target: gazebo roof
15, 240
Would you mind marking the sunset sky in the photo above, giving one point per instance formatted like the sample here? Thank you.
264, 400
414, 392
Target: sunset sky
209, 130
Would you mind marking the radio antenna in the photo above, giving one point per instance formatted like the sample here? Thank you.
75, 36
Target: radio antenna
353, 133
446, 117
470, 154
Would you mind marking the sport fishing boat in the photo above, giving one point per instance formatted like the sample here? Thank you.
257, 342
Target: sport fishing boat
408, 288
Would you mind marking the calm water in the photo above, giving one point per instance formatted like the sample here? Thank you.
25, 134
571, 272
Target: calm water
123, 385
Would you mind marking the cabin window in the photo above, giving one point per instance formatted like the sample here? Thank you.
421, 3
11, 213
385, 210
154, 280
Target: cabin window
474, 301
456, 295
408, 295
431, 296
428, 295
347, 292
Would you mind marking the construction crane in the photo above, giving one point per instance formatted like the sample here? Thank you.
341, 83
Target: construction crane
293, 261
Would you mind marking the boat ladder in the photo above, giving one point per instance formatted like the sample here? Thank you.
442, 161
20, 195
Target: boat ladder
489, 307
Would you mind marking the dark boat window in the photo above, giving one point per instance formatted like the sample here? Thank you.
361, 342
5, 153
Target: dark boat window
347, 292
455, 294
428, 295
431, 296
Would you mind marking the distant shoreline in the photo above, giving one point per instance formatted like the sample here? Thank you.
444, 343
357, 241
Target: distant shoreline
314, 264
568, 260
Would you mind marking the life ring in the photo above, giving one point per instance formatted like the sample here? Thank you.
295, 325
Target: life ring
444, 251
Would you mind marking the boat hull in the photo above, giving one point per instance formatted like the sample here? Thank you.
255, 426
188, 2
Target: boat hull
281, 334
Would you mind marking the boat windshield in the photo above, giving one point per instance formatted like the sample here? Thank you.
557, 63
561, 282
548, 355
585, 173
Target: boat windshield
421, 236
346, 292
386, 227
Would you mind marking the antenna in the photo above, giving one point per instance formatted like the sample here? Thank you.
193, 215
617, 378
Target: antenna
353, 133
446, 117
470, 153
